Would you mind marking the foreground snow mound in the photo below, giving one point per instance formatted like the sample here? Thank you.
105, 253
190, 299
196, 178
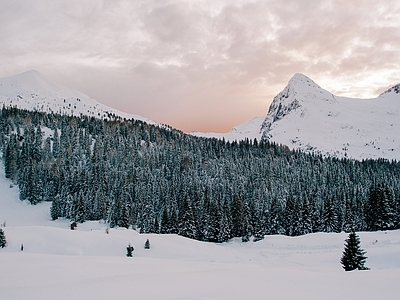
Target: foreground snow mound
33, 91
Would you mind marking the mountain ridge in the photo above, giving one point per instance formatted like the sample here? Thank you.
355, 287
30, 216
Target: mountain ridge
303, 116
326, 124
33, 91
306, 117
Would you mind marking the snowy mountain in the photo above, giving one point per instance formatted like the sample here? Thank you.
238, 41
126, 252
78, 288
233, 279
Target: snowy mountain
33, 91
304, 116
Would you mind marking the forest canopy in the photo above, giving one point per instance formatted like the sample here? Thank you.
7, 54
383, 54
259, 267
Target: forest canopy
158, 179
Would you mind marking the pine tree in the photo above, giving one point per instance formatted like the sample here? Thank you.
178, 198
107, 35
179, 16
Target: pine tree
129, 250
380, 208
124, 218
186, 222
37, 145
353, 256
239, 221
330, 217
3, 241
11, 158
55, 209
147, 244
164, 222
56, 143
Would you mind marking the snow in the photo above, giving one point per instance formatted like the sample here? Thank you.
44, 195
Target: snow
33, 91
250, 129
323, 123
306, 117
87, 263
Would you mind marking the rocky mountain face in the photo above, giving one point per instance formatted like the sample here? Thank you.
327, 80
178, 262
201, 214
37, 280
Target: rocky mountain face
288, 100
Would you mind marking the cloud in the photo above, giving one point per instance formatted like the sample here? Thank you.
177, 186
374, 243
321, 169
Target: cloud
202, 65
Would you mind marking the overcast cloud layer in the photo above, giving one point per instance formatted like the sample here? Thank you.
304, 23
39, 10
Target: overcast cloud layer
202, 65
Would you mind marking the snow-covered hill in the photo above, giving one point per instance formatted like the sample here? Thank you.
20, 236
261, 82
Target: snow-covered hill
88, 263
305, 116
33, 91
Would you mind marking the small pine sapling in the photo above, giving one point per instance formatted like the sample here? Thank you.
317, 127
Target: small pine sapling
129, 250
74, 225
3, 242
147, 244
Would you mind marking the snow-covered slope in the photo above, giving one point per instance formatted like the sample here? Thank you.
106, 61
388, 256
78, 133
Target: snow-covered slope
250, 129
304, 116
88, 263
33, 91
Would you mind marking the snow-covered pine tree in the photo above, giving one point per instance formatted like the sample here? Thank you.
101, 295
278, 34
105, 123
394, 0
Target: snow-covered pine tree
56, 143
55, 209
353, 256
239, 218
380, 208
10, 158
186, 222
330, 217
147, 244
164, 222
3, 241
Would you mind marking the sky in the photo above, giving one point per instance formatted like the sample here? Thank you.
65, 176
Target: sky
202, 65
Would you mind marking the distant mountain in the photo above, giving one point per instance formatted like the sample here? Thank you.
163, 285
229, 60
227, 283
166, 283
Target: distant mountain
250, 129
33, 91
304, 116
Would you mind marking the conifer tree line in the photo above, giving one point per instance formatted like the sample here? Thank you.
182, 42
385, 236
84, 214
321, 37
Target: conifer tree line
160, 180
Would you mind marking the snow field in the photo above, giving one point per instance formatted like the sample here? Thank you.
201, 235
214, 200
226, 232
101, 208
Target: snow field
58, 263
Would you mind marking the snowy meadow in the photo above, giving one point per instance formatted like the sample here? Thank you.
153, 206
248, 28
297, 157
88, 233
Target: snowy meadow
88, 263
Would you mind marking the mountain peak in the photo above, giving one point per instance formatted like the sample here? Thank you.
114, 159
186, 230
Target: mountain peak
301, 83
299, 77
31, 74
31, 80
393, 90
307, 117
298, 89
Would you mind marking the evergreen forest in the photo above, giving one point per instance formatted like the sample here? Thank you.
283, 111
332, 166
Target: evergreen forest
160, 180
